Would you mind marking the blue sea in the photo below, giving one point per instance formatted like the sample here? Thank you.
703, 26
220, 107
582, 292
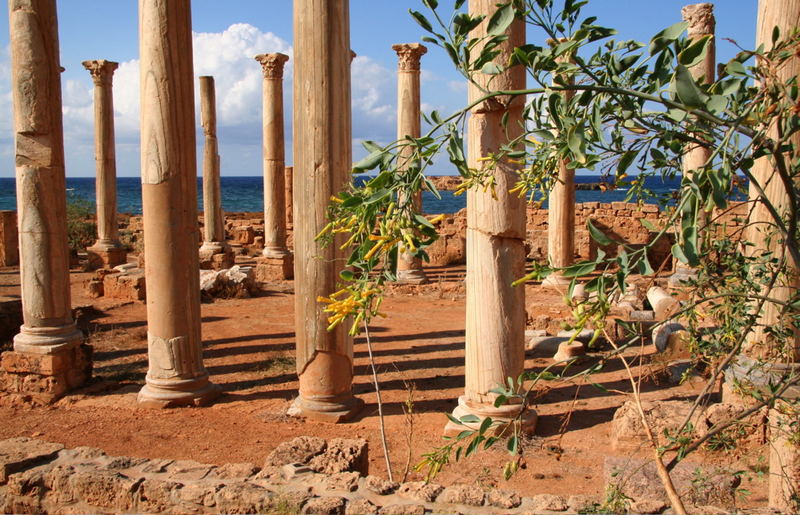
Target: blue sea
247, 193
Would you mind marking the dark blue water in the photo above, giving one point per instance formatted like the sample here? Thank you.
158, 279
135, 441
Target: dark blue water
247, 194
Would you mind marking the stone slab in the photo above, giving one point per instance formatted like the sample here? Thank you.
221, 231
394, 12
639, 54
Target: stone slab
18, 454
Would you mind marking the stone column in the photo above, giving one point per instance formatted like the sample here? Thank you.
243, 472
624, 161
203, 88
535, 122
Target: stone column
700, 18
215, 252
176, 375
409, 268
322, 161
276, 262
288, 177
107, 250
495, 323
48, 358
761, 355
561, 221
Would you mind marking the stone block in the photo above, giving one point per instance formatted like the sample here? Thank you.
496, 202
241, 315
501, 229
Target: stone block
471, 495
106, 258
628, 433
45, 378
342, 455
129, 285
9, 239
548, 503
18, 454
324, 506
379, 485
43, 364
420, 491
297, 450
269, 269
10, 317
505, 499
244, 234
217, 260
360, 507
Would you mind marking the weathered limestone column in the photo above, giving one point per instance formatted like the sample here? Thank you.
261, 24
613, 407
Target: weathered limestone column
176, 375
322, 161
276, 262
700, 18
409, 268
561, 221
48, 358
288, 177
215, 252
495, 322
107, 250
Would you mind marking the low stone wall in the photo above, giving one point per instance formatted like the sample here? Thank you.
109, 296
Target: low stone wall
307, 475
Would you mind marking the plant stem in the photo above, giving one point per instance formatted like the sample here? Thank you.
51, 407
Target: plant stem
384, 443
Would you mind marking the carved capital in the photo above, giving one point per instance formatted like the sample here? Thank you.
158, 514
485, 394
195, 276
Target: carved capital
700, 18
272, 64
102, 71
409, 55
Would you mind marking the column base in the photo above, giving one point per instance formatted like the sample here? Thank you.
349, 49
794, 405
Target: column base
681, 275
175, 393
215, 255
556, 280
106, 254
505, 415
43, 378
274, 267
412, 277
332, 410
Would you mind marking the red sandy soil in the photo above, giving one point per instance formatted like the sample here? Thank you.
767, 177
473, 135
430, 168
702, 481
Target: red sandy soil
249, 348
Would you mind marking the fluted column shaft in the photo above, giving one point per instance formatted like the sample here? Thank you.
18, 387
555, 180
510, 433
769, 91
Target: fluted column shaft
495, 321
213, 217
274, 160
176, 375
409, 268
48, 326
323, 155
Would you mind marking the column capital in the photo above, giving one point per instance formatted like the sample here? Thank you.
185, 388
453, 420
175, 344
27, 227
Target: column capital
272, 64
101, 70
700, 18
409, 55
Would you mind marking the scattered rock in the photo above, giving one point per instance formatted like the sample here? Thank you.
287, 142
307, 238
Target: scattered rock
347, 481
380, 486
360, 507
503, 498
297, 450
421, 491
403, 509
17, 454
235, 282
638, 480
582, 504
342, 455
462, 494
545, 345
548, 502
324, 506
236, 471
627, 432
647, 506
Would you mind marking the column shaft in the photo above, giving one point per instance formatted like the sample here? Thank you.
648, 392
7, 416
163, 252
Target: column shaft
41, 185
176, 375
495, 321
323, 155
107, 251
409, 268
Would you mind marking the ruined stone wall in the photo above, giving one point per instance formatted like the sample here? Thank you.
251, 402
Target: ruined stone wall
9, 239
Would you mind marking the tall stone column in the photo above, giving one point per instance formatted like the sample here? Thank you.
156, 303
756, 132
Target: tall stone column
288, 177
700, 18
763, 357
107, 250
176, 375
322, 161
495, 322
215, 252
48, 358
277, 260
561, 221
409, 268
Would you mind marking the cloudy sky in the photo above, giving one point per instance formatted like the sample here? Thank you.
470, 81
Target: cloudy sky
227, 34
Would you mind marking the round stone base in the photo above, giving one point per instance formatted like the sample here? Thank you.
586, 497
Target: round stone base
331, 411
47, 340
412, 277
568, 350
502, 417
556, 280
173, 393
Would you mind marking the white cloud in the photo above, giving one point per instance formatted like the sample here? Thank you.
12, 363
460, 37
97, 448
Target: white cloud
374, 90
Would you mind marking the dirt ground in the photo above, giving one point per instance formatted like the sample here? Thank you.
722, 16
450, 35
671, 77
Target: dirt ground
249, 352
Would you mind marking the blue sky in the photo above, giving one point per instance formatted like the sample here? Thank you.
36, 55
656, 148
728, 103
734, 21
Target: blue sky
227, 35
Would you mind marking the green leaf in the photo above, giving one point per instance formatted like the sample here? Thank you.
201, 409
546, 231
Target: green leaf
485, 425
679, 255
369, 162
625, 161
491, 69
500, 20
717, 103
579, 269
597, 235
687, 90
647, 224
577, 143
421, 20
695, 53
661, 40
500, 400
735, 68
469, 419
346, 275
513, 445
431, 4
644, 265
